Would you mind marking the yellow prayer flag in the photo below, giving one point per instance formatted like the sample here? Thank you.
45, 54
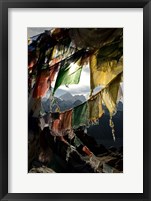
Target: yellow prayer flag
104, 74
95, 107
110, 93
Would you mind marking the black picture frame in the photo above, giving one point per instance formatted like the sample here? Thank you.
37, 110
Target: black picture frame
4, 6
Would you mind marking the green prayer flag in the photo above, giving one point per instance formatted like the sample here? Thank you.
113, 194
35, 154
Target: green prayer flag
80, 115
68, 74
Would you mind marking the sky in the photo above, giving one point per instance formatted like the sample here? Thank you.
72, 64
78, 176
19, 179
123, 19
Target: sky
32, 31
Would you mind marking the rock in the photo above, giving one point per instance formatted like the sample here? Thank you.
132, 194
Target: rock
48, 155
112, 162
112, 149
121, 150
91, 143
119, 165
42, 169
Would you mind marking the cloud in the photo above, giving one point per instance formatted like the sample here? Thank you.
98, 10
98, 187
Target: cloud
33, 31
83, 87
76, 90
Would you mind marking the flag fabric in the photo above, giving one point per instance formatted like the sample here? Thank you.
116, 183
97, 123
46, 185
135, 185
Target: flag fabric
68, 74
109, 53
95, 107
42, 85
56, 128
61, 124
80, 115
102, 76
53, 71
66, 118
110, 94
66, 125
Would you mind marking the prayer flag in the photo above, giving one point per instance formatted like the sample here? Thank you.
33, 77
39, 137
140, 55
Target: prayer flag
68, 74
102, 76
80, 115
95, 107
110, 94
42, 85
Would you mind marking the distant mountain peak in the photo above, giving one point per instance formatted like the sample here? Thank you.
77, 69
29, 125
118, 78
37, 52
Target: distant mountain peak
120, 106
80, 97
76, 103
65, 101
69, 97
66, 96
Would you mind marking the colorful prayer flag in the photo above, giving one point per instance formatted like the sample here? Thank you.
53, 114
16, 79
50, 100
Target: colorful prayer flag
68, 74
95, 107
110, 94
42, 85
102, 76
80, 115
